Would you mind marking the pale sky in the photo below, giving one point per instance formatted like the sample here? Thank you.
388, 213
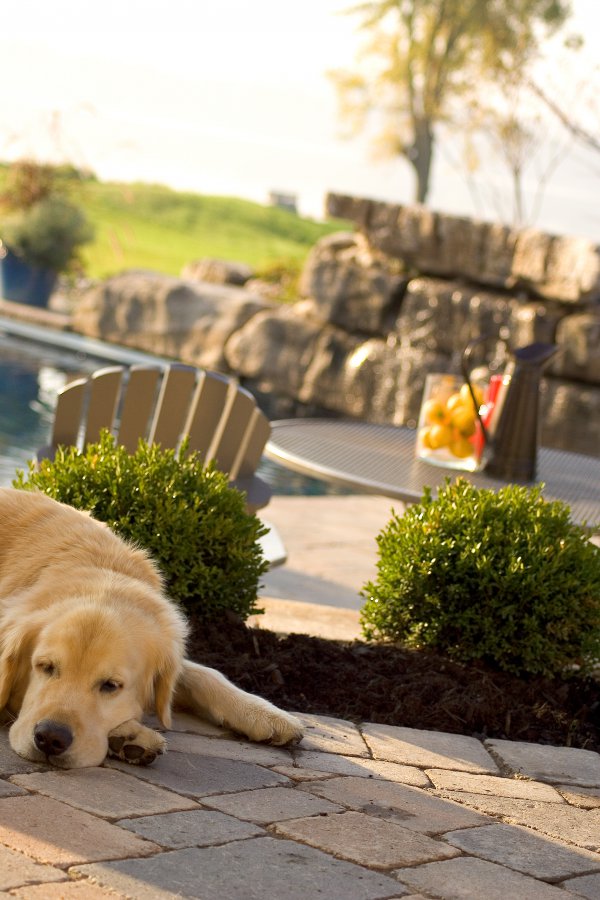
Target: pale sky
222, 96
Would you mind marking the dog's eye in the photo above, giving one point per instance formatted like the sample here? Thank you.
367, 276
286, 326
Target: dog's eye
109, 686
46, 668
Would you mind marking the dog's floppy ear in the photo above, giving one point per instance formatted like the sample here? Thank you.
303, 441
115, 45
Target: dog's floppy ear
165, 680
166, 662
15, 657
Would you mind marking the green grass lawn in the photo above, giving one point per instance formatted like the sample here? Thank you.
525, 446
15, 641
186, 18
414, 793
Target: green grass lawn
153, 227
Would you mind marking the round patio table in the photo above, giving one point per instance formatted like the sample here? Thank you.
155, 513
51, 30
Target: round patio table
380, 459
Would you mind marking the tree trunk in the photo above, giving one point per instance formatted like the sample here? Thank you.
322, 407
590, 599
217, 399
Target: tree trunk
420, 156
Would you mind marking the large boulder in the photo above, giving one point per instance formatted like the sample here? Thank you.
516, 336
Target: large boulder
167, 316
578, 336
351, 286
276, 346
218, 271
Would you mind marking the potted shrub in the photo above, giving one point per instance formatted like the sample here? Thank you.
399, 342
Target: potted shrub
41, 231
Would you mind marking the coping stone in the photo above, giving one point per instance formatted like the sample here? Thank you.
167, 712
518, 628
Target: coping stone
428, 749
245, 870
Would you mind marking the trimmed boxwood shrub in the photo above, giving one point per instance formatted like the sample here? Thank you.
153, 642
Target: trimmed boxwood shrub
192, 522
503, 577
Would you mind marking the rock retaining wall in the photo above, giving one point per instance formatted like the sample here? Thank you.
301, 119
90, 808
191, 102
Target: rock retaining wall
379, 309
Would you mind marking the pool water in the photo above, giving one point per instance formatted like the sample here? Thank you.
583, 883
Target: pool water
32, 373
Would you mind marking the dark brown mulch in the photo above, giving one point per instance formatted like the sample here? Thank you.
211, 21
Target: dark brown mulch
394, 686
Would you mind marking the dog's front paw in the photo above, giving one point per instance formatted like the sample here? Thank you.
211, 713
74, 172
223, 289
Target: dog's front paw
263, 722
135, 744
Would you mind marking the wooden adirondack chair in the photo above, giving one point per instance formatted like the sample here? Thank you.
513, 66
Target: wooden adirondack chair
220, 418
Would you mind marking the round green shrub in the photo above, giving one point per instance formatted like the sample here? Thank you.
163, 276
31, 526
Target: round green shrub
503, 577
195, 526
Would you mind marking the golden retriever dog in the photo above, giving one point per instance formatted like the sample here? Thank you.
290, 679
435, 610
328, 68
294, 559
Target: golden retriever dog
89, 643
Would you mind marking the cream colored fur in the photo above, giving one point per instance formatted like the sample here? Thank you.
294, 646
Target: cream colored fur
88, 640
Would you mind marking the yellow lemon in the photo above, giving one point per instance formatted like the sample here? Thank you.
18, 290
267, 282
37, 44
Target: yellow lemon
439, 436
465, 393
461, 448
425, 437
434, 412
463, 419
453, 401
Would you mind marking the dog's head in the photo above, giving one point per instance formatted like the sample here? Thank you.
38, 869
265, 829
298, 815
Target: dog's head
74, 671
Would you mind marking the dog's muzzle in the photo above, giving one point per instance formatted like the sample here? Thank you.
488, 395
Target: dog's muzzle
52, 738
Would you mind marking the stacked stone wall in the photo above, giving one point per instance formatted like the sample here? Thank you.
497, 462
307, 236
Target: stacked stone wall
379, 308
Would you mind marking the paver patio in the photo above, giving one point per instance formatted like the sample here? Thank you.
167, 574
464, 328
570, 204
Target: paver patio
365, 812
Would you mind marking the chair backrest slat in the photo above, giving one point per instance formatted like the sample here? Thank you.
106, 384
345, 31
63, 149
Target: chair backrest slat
69, 411
236, 419
105, 385
179, 383
138, 405
252, 447
206, 411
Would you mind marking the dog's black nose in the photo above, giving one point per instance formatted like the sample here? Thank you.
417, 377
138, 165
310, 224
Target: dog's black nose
52, 738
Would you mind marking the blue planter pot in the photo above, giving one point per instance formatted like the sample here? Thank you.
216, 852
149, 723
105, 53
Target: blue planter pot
23, 283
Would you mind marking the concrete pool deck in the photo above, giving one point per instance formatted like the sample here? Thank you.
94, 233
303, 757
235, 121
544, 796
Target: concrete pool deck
357, 811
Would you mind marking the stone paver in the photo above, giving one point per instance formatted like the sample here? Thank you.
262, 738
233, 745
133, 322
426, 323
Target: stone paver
332, 736
54, 833
10, 763
105, 792
228, 749
67, 890
272, 805
16, 870
428, 749
493, 785
196, 828
246, 870
408, 806
366, 840
567, 823
467, 878
367, 768
562, 765
199, 776
10, 790
584, 886
524, 850
586, 798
